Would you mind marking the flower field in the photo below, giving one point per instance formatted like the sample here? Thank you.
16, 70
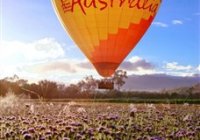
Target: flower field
97, 121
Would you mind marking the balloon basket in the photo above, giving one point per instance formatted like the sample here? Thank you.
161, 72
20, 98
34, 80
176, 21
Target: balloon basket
104, 84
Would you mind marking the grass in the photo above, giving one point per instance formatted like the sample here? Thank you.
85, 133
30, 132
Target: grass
128, 100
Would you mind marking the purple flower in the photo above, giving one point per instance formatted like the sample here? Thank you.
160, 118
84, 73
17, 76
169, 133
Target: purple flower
24, 132
31, 130
157, 138
27, 136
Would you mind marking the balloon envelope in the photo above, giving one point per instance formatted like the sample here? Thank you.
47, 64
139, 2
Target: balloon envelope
106, 30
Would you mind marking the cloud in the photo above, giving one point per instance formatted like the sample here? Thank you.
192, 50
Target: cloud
75, 68
53, 66
85, 65
65, 66
160, 24
177, 22
15, 52
61, 70
23, 58
174, 66
136, 64
198, 68
46, 59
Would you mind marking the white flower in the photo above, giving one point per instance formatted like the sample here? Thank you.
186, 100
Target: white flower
132, 108
185, 104
81, 110
32, 109
66, 109
72, 103
187, 117
152, 106
108, 107
51, 104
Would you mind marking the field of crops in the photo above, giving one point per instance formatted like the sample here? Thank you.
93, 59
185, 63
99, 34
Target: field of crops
97, 121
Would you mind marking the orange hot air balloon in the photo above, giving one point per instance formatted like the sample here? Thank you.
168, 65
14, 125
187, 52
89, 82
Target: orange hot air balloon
106, 30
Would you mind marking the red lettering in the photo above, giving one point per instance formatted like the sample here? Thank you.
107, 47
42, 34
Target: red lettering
146, 6
121, 2
70, 5
66, 6
90, 4
111, 3
154, 8
104, 4
138, 4
143, 4
74, 2
132, 4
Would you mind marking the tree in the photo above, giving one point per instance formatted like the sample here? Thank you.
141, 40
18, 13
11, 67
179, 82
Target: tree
119, 78
72, 91
88, 84
48, 89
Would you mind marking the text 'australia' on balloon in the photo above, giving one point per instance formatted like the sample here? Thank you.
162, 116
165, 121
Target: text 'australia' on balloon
70, 5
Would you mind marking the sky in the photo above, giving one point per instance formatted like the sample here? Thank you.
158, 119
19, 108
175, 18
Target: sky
34, 45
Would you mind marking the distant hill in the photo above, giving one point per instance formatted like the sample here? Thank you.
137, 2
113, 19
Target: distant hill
186, 90
157, 82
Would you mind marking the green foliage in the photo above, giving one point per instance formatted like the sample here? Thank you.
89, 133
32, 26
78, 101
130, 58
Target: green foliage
119, 78
86, 89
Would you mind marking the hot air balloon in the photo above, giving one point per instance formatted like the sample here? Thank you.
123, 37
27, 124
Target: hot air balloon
106, 30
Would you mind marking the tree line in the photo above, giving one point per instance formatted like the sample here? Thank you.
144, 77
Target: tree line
87, 89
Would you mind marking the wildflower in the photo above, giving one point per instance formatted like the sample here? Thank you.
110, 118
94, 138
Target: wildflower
81, 110
42, 128
32, 109
186, 104
90, 132
132, 106
41, 138
51, 104
190, 134
166, 106
100, 129
27, 137
157, 138
27, 105
78, 136
93, 138
187, 117
24, 132
48, 133
66, 138
7, 135
197, 129
77, 124
31, 130
108, 108
106, 132
66, 109
151, 106
133, 110
148, 129
68, 127
72, 103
